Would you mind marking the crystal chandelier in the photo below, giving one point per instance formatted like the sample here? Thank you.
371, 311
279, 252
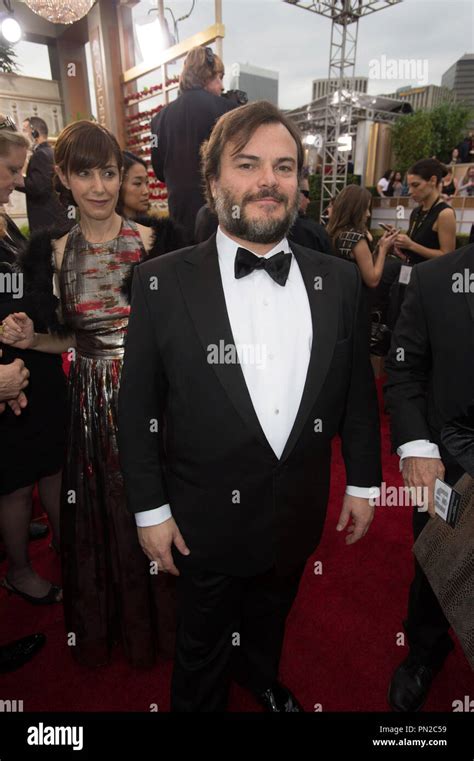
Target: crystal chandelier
61, 11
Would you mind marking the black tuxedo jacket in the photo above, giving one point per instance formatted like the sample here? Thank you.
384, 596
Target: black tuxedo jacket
240, 509
42, 203
434, 384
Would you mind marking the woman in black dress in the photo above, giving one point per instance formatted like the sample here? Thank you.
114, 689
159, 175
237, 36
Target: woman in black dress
432, 226
431, 229
33, 441
134, 203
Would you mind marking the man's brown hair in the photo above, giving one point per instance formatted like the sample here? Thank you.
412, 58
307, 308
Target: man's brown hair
237, 127
200, 66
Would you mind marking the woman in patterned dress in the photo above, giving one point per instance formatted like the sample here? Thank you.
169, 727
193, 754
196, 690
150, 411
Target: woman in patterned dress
111, 591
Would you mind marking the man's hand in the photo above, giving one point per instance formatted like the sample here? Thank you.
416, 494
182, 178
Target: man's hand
361, 512
156, 543
419, 472
13, 379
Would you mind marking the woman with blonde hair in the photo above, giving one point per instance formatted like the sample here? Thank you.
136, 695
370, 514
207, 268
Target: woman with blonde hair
111, 594
32, 431
180, 128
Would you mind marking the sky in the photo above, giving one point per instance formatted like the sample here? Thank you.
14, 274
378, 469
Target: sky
294, 42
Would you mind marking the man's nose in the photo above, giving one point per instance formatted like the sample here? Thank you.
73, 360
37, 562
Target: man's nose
267, 176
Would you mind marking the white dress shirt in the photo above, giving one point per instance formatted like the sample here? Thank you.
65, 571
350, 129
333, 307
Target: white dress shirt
418, 448
273, 333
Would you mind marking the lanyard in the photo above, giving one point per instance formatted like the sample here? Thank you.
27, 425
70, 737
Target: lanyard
420, 218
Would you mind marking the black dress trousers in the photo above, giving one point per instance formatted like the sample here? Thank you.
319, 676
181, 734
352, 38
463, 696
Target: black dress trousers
228, 627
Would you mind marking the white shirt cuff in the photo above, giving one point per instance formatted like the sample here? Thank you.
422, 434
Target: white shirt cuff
153, 517
365, 492
418, 448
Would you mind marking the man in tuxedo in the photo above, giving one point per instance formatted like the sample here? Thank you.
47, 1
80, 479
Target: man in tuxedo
430, 381
305, 230
245, 356
42, 204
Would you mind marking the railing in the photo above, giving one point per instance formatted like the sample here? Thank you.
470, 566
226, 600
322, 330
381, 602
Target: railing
397, 210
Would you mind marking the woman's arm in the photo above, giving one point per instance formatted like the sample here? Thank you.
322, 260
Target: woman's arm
18, 330
370, 270
446, 234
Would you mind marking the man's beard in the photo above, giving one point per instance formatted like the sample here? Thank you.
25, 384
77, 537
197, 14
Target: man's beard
264, 230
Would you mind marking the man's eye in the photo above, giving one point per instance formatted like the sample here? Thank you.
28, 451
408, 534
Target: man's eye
110, 173
245, 166
83, 173
285, 168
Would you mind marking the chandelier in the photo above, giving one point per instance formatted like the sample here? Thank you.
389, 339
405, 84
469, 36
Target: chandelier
61, 11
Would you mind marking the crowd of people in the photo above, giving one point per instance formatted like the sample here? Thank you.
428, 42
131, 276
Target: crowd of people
184, 493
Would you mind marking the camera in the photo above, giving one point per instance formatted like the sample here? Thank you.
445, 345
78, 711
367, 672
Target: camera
236, 96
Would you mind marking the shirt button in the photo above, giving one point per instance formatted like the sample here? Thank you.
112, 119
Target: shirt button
277, 412
265, 302
271, 356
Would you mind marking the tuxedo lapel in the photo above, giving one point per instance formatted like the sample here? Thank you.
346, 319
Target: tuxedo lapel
201, 283
321, 287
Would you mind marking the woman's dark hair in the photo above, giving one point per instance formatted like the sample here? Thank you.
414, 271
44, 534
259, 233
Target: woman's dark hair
84, 145
129, 160
428, 168
387, 174
348, 211
393, 181
237, 127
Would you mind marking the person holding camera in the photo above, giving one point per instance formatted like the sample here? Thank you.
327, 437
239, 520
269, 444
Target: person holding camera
180, 128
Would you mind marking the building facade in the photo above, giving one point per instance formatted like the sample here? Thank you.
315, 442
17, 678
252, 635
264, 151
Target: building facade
426, 97
320, 87
258, 83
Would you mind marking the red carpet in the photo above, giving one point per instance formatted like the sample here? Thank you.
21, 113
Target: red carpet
341, 642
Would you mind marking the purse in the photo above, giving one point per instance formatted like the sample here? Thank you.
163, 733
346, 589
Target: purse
380, 335
446, 555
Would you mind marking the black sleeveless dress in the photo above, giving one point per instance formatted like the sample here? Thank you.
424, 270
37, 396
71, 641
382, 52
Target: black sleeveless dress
33, 443
420, 230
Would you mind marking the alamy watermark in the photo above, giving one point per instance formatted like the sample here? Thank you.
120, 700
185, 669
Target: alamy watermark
399, 496
12, 283
232, 354
413, 69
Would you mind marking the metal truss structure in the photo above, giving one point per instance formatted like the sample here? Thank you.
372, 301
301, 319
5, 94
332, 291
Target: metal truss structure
341, 99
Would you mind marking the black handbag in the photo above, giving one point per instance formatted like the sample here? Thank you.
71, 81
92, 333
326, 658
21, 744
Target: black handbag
380, 335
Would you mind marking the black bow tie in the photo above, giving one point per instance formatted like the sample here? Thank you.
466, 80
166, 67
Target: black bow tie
277, 266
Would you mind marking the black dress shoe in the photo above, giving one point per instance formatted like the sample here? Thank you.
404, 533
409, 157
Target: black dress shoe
15, 654
37, 531
278, 699
410, 685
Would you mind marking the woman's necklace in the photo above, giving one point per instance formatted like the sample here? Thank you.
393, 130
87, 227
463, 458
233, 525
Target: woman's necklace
420, 218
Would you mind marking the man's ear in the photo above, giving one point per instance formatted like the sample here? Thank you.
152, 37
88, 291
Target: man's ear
212, 185
61, 176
